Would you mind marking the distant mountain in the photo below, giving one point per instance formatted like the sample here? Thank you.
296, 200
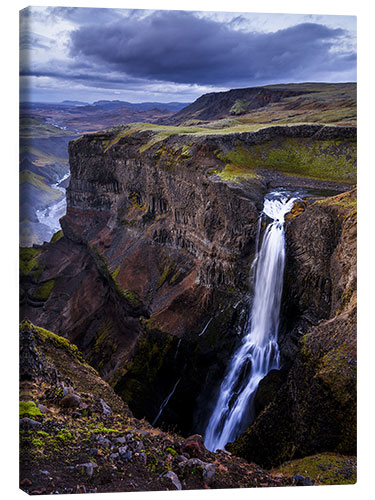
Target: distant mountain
284, 103
140, 106
72, 117
75, 103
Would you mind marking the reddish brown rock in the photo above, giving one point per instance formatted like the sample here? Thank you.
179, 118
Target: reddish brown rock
194, 446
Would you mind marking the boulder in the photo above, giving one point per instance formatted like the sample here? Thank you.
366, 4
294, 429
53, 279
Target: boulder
174, 479
194, 446
71, 400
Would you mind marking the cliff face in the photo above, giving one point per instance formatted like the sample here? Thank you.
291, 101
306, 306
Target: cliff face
151, 274
163, 196
168, 189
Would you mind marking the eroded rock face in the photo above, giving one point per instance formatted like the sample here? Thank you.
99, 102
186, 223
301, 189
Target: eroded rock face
150, 277
162, 195
152, 242
315, 408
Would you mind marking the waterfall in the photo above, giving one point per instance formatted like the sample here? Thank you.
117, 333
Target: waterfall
177, 349
258, 352
205, 328
165, 402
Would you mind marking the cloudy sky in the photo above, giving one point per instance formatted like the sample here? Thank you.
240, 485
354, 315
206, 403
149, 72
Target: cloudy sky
89, 54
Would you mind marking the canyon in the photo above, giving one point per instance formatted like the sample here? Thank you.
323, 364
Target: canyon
150, 276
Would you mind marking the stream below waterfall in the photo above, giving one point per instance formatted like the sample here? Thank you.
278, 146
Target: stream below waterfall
258, 352
51, 215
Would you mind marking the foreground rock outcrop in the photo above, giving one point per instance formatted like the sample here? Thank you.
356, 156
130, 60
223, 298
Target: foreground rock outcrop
78, 436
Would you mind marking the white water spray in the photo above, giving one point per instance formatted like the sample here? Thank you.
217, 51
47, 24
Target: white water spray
165, 402
258, 352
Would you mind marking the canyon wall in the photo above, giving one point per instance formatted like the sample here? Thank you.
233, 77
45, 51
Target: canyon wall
150, 277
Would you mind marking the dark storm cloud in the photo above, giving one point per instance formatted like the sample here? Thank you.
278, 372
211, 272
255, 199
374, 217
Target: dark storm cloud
182, 48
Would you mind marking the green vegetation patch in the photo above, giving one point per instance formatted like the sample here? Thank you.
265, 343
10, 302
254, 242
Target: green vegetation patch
39, 182
64, 436
239, 107
347, 201
28, 262
238, 165
42, 159
105, 342
135, 201
169, 272
34, 128
29, 409
58, 341
328, 160
43, 291
171, 451
319, 159
324, 468
57, 236
334, 369
132, 297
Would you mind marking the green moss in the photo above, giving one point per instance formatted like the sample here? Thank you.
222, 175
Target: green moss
28, 262
336, 373
43, 291
134, 199
132, 297
238, 108
185, 153
29, 408
162, 278
64, 436
171, 451
43, 434
115, 273
102, 263
168, 271
99, 428
232, 173
320, 159
347, 201
58, 341
324, 468
105, 343
37, 443
57, 236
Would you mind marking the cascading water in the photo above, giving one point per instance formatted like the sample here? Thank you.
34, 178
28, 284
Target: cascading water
258, 352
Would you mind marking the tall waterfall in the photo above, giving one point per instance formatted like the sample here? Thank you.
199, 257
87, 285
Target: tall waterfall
258, 352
